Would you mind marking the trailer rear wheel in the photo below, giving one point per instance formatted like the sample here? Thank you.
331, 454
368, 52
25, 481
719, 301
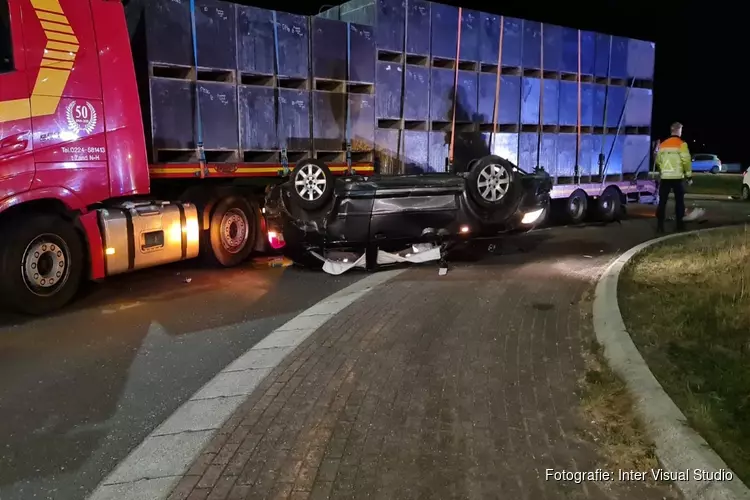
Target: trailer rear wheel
576, 206
41, 264
232, 231
609, 205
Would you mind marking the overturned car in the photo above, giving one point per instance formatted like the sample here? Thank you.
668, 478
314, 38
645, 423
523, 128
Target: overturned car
357, 221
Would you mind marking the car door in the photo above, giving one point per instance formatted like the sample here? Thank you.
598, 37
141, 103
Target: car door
16, 158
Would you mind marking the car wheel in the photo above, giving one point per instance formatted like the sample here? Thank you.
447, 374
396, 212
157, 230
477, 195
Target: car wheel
746, 192
493, 182
312, 184
715, 170
609, 205
576, 206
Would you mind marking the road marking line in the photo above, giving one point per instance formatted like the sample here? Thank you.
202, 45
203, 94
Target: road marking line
156, 465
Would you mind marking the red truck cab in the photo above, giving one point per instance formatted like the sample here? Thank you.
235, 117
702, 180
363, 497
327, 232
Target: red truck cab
74, 172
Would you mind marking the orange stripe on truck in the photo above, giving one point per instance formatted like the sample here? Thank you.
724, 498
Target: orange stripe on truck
48, 5
61, 28
62, 45
48, 16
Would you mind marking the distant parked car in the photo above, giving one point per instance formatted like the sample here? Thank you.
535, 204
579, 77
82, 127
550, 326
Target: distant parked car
707, 163
746, 185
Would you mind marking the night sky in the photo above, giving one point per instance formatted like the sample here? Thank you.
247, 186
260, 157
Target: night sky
699, 56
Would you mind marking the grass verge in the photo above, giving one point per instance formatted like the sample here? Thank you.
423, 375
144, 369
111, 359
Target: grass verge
718, 184
686, 304
606, 404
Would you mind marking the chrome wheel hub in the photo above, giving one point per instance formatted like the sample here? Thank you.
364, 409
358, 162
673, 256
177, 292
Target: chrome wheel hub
493, 182
310, 182
234, 230
45, 264
576, 207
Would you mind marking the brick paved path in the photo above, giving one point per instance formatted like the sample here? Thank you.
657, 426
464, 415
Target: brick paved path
461, 386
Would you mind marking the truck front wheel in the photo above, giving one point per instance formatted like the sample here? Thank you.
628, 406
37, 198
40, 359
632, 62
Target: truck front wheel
41, 264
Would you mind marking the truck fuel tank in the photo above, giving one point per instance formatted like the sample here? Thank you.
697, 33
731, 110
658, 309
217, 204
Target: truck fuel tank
137, 235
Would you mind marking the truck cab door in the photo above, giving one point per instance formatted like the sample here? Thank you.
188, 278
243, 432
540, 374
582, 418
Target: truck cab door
16, 158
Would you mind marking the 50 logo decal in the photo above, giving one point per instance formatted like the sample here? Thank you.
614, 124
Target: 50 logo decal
81, 117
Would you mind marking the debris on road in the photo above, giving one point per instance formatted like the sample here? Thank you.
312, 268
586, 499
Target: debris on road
335, 262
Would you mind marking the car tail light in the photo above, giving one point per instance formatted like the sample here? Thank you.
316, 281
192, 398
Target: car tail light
276, 240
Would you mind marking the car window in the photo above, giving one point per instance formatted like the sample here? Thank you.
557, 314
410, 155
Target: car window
703, 157
6, 47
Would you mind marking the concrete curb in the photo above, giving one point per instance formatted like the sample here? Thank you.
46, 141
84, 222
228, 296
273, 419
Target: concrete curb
678, 446
155, 466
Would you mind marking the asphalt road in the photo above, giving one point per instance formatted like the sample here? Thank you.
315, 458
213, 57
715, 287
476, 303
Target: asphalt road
79, 390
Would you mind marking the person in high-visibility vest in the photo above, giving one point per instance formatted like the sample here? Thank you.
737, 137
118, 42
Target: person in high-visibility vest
674, 165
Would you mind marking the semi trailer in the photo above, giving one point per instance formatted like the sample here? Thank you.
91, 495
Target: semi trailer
137, 134
577, 103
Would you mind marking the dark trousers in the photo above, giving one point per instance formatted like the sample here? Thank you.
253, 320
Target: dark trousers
665, 187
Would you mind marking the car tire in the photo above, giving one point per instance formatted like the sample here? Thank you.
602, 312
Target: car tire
576, 206
312, 184
746, 192
715, 170
45, 242
493, 183
609, 205
232, 231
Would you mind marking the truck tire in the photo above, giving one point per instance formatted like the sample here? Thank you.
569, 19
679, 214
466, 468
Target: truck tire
576, 206
609, 205
50, 252
231, 233
493, 183
312, 184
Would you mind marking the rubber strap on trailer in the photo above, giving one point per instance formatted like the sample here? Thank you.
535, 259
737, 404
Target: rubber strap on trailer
617, 133
199, 125
497, 82
400, 145
348, 101
541, 95
600, 161
455, 91
577, 172
277, 114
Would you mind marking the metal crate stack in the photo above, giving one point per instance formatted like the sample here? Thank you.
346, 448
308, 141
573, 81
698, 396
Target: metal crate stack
267, 82
575, 102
